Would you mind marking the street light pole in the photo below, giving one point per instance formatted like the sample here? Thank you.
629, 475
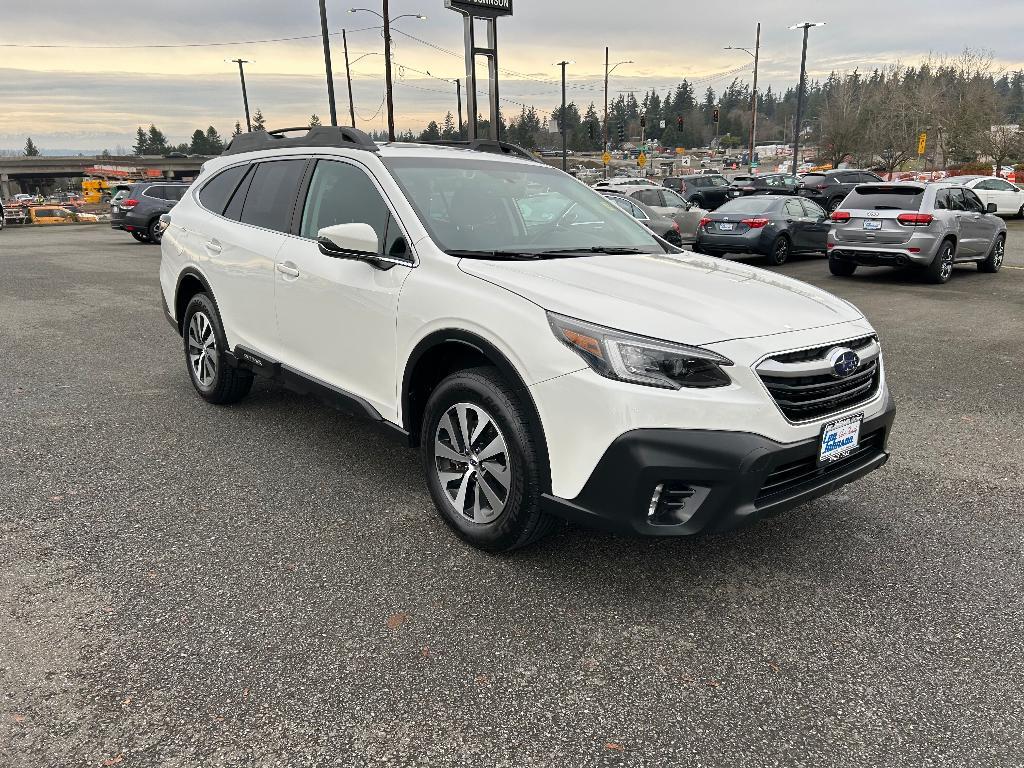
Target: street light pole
327, 62
458, 95
245, 95
561, 120
805, 26
753, 104
607, 72
348, 76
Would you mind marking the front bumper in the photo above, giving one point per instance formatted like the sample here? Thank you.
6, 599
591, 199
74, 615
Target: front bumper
724, 479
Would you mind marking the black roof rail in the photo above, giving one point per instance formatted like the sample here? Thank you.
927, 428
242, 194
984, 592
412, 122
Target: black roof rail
485, 145
320, 136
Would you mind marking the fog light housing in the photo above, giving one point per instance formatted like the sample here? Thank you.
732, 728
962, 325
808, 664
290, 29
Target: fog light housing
674, 503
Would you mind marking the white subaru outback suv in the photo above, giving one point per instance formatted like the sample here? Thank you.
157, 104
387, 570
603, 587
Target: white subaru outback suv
551, 358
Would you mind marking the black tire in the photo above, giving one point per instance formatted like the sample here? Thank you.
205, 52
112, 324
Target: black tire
939, 271
833, 205
1020, 213
841, 268
142, 237
994, 261
226, 384
779, 253
697, 200
674, 238
153, 232
520, 521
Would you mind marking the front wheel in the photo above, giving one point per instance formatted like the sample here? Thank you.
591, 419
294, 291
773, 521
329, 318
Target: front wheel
154, 232
941, 268
205, 344
142, 237
994, 261
697, 201
780, 251
840, 268
834, 204
482, 462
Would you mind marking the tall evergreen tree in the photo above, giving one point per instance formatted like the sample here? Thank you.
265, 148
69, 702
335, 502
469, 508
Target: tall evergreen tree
238, 129
259, 123
214, 143
314, 121
198, 145
30, 148
156, 142
141, 142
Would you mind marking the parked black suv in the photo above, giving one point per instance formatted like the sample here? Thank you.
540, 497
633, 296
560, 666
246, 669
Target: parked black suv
768, 184
829, 188
139, 211
707, 191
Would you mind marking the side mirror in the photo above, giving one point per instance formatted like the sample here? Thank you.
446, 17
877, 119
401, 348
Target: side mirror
991, 208
349, 241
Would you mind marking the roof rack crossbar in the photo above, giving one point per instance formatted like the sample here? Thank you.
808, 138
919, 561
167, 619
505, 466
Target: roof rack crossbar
485, 145
320, 136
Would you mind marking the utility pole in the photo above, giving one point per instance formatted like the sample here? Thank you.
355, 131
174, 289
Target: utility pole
753, 103
245, 95
387, 69
458, 95
797, 122
561, 122
605, 147
348, 76
327, 62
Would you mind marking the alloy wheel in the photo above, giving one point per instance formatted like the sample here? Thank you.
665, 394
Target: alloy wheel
202, 349
472, 462
781, 251
998, 252
947, 264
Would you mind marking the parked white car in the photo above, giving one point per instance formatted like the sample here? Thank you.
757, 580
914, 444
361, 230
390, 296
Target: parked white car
664, 202
572, 366
1008, 198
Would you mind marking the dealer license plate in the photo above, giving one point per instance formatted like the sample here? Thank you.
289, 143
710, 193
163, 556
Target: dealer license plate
872, 224
726, 227
839, 438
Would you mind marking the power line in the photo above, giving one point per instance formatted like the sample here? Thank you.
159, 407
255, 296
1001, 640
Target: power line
180, 45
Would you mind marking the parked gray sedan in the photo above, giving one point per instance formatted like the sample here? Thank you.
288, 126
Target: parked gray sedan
932, 226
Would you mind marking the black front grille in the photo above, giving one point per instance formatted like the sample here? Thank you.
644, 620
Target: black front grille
818, 353
788, 478
810, 397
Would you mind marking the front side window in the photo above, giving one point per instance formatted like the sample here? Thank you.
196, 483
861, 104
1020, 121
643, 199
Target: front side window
672, 199
483, 204
973, 202
271, 197
340, 193
812, 209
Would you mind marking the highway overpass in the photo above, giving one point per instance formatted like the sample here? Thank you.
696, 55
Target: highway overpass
44, 174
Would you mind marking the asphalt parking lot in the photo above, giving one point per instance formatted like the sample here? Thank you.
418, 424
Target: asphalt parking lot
268, 584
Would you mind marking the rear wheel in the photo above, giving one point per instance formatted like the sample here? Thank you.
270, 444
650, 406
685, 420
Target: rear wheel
941, 268
481, 461
142, 237
834, 204
205, 345
840, 268
697, 200
994, 260
780, 251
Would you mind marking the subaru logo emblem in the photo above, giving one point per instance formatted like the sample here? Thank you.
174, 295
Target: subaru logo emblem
843, 361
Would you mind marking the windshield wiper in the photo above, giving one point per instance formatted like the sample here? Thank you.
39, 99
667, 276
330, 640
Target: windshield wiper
505, 255
605, 249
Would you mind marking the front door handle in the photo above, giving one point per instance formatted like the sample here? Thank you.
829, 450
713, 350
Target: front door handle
287, 268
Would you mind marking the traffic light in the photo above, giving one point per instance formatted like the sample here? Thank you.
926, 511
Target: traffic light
591, 130
714, 115
622, 132
680, 122
643, 121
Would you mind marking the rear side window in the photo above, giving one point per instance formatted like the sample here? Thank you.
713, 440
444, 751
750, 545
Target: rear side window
793, 208
217, 191
174, 193
155, 192
884, 198
649, 197
813, 179
271, 197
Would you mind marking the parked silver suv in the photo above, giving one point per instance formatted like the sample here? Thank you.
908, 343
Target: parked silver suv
929, 225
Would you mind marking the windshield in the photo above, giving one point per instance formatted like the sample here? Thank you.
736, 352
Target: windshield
479, 205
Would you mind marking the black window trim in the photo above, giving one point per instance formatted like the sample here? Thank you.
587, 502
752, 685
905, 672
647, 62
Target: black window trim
197, 190
300, 206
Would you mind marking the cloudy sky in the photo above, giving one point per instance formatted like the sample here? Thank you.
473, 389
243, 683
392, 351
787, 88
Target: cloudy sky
77, 94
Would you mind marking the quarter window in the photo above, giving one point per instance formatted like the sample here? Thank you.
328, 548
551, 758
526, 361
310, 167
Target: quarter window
271, 197
793, 209
215, 193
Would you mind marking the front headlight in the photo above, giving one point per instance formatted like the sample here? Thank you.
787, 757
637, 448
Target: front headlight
638, 359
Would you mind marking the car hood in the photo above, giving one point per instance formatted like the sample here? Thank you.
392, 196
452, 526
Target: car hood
677, 297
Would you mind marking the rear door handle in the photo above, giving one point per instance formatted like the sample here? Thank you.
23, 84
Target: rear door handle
287, 268
214, 246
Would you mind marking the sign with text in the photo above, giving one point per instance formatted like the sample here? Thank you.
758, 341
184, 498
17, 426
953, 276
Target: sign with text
481, 8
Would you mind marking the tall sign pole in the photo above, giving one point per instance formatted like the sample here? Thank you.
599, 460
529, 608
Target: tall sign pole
805, 26
327, 62
489, 11
753, 103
